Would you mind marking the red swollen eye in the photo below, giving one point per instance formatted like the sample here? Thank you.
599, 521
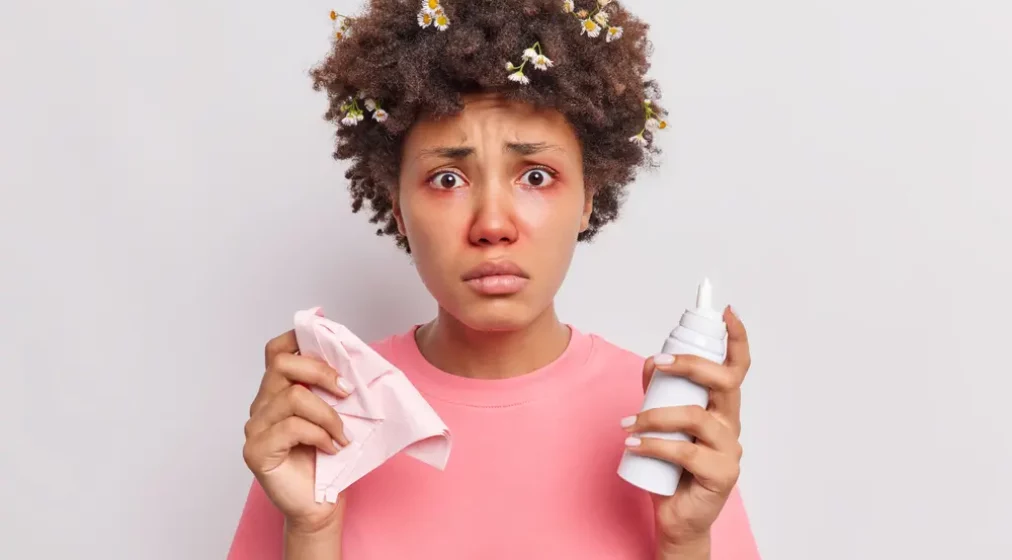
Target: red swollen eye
447, 180
538, 178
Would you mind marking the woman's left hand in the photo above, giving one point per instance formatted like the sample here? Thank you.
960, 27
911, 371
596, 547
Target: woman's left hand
684, 519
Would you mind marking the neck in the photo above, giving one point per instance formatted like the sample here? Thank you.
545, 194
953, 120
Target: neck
456, 348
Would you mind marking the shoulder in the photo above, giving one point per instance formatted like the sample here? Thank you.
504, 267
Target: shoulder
605, 351
395, 348
617, 371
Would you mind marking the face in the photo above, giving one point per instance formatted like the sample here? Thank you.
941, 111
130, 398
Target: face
491, 201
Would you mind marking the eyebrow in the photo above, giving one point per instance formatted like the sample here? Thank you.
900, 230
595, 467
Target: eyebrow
461, 152
455, 152
529, 148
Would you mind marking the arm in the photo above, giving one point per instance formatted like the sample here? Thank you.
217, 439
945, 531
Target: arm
288, 425
730, 538
263, 534
324, 544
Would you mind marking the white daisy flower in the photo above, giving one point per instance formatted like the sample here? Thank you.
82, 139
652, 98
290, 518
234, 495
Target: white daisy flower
601, 18
430, 7
349, 120
590, 28
380, 115
542, 62
603, 3
359, 116
519, 76
639, 140
425, 19
614, 33
510, 67
530, 54
442, 22
370, 104
653, 124
568, 6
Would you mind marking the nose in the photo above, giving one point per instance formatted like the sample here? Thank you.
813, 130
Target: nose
494, 221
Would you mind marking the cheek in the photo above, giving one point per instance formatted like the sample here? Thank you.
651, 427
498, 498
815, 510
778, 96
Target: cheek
533, 208
436, 227
548, 210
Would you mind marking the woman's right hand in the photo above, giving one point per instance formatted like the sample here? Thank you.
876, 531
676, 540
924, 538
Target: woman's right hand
287, 424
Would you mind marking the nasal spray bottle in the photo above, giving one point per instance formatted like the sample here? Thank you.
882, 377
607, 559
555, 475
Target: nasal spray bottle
701, 332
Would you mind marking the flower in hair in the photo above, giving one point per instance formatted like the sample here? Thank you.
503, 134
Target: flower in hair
590, 28
653, 122
442, 22
535, 56
432, 13
341, 25
591, 23
517, 74
354, 113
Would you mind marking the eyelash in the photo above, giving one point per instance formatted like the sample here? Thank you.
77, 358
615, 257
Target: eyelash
432, 178
548, 171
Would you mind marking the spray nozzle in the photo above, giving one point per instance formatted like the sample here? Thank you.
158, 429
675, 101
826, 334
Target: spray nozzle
704, 300
704, 295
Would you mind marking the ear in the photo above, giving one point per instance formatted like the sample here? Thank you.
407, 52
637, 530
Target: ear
588, 209
395, 203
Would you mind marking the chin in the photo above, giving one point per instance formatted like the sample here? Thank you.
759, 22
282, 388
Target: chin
495, 314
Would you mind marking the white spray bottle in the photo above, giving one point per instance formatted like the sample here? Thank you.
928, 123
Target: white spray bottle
702, 332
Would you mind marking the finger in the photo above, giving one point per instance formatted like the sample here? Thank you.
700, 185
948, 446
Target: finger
738, 357
282, 344
288, 369
648, 372
715, 471
693, 420
705, 372
280, 438
726, 407
301, 402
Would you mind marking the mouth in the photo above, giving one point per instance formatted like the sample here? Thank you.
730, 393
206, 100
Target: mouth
496, 278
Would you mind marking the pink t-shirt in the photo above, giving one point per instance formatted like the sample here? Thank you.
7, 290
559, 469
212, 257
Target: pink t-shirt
532, 472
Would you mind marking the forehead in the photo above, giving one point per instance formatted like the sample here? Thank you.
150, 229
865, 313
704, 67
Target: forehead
489, 118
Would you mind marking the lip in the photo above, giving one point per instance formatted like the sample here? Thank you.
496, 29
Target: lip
496, 278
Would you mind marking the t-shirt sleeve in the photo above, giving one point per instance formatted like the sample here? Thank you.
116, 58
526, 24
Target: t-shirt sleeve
260, 533
731, 534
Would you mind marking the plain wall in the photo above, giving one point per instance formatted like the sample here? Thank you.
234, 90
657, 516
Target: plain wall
839, 170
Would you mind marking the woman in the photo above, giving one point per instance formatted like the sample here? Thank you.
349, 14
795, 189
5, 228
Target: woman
489, 137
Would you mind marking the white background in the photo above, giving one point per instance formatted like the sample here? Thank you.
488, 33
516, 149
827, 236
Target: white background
840, 170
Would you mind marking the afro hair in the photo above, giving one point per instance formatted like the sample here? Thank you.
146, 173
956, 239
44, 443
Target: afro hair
401, 67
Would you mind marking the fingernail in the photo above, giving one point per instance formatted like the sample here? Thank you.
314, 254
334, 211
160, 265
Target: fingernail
632, 441
628, 421
344, 385
664, 359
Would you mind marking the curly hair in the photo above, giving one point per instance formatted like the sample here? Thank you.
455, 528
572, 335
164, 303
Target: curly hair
413, 71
